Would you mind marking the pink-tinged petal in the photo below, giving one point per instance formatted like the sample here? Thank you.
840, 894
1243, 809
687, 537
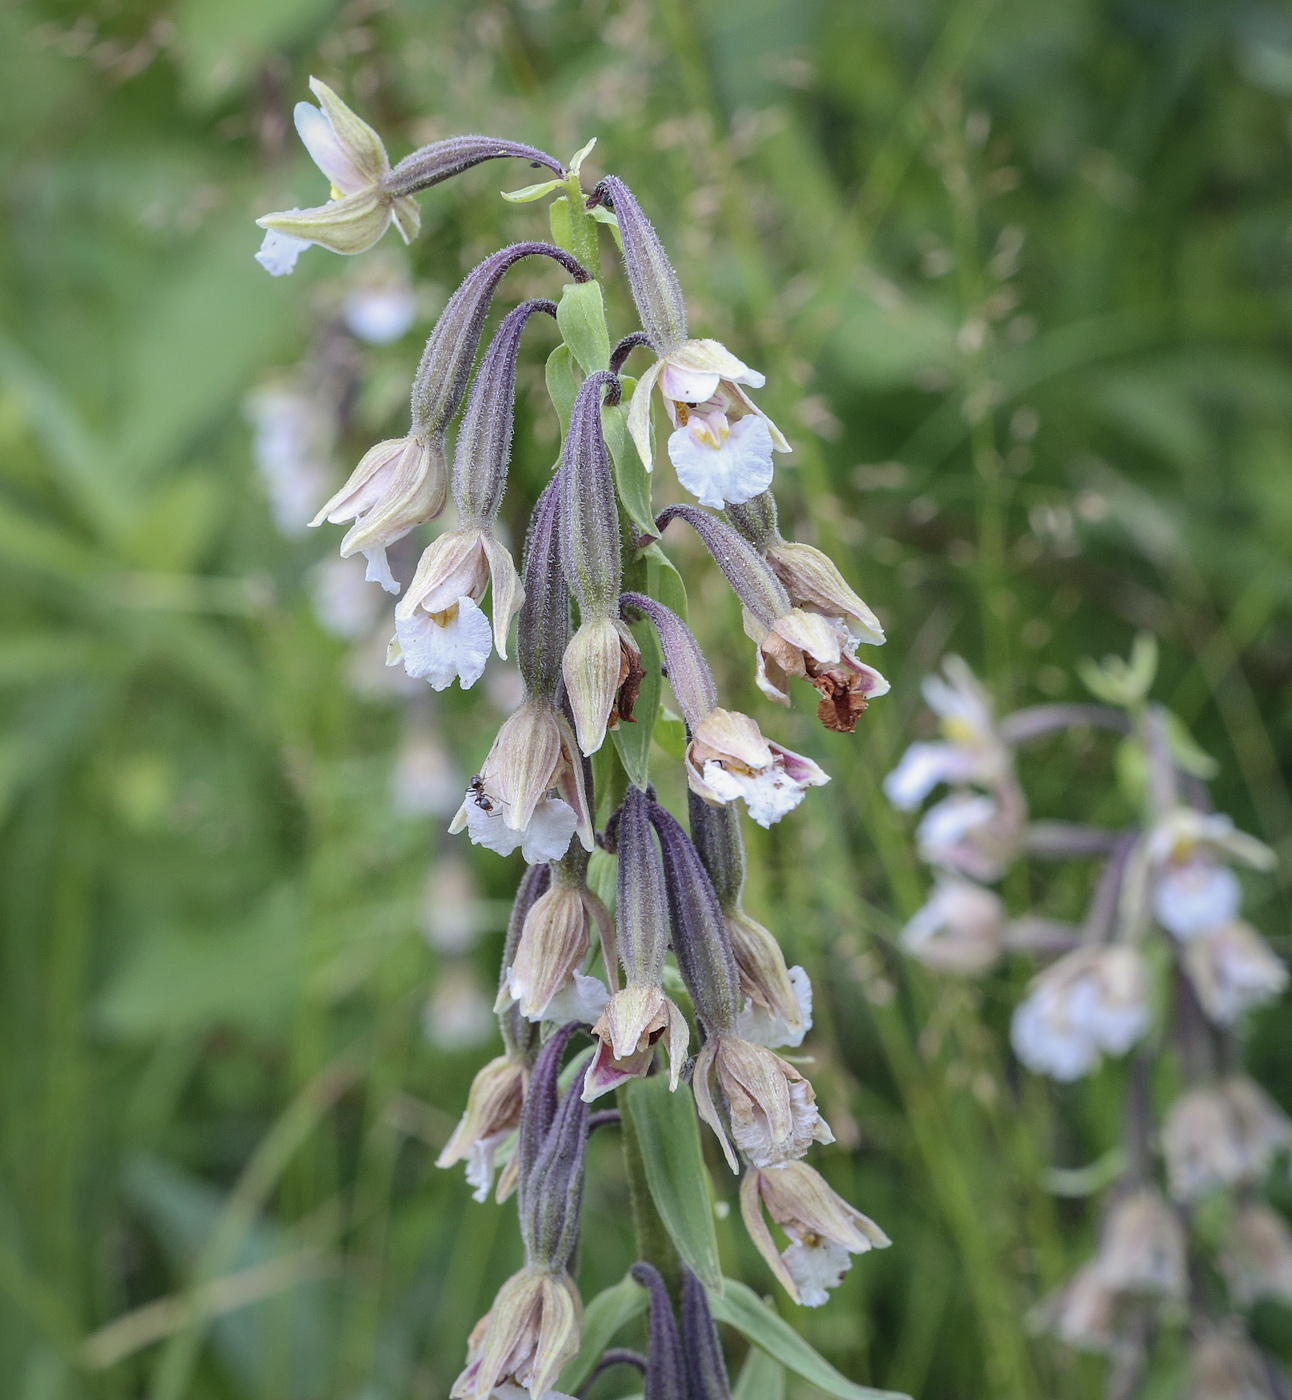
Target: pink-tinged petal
606, 1073
798, 768
326, 151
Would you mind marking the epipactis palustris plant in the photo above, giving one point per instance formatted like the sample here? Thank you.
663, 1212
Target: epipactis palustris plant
1162, 968
601, 620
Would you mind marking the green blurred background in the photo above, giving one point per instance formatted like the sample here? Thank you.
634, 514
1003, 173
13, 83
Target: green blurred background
1017, 271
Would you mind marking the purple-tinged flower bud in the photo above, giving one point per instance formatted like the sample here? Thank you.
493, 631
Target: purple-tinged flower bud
445, 367
700, 940
655, 288
750, 576
441, 160
602, 659
687, 670
483, 453
706, 1369
639, 1015
666, 1377
525, 1339
757, 520
551, 1184
544, 628
778, 999
824, 1230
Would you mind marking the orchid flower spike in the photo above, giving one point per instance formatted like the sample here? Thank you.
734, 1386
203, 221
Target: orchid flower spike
440, 631
722, 442
639, 1015
367, 195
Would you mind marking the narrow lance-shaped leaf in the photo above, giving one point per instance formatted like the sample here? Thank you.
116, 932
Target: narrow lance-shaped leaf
603, 1316
669, 1134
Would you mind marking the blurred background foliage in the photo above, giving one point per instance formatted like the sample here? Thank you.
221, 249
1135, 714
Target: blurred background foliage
1017, 271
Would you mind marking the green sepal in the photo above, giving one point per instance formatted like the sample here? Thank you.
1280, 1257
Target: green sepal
602, 1318
740, 1307
609, 782
562, 384
760, 1378
670, 734
631, 478
581, 315
562, 227
633, 740
668, 1132
532, 192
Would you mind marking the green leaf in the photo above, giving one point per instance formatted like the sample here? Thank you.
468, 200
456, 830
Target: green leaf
670, 734
633, 740
740, 1307
669, 1134
602, 1318
1187, 752
562, 228
581, 315
609, 781
663, 581
562, 384
631, 478
760, 1378
531, 192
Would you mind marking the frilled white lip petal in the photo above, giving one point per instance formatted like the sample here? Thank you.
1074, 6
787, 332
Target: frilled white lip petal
1191, 898
378, 570
326, 151
768, 795
920, 769
767, 1028
581, 999
442, 653
684, 385
736, 471
279, 251
547, 836
816, 1268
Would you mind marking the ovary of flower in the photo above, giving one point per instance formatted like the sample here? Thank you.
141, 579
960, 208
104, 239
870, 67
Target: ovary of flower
728, 759
1093, 1001
704, 377
960, 929
351, 154
1233, 969
398, 485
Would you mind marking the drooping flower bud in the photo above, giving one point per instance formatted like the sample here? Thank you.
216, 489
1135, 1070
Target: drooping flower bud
688, 671
639, 1015
1221, 1135
544, 977
492, 1115
1142, 1247
351, 154
1092, 1002
655, 288
1256, 1255
445, 367
706, 1368
602, 658
544, 628
665, 1366
1233, 969
441, 160
824, 1230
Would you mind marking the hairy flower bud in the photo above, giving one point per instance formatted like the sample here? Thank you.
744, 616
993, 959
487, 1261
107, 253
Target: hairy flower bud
543, 631
665, 1367
655, 288
751, 578
639, 1015
398, 484
351, 154
590, 543
688, 672
441, 160
507, 804
706, 1368
483, 454
445, 367
824, 1230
